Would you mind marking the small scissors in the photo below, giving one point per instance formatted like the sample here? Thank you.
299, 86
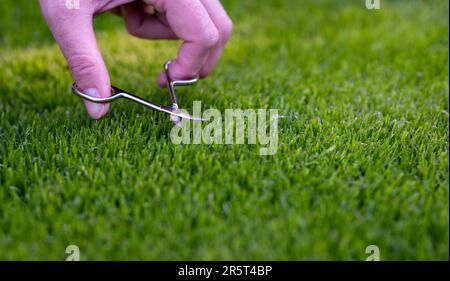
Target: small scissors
173, 110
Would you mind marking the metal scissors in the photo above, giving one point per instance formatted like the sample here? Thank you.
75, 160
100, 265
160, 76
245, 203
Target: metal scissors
173, 110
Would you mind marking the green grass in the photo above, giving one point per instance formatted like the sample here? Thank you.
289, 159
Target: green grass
362, 156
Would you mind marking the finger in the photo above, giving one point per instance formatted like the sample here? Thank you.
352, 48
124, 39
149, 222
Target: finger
72, 29
224, 25
144, 25
116, 11
191, 22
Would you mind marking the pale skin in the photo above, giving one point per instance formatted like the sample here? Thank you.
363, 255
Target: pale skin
203, 26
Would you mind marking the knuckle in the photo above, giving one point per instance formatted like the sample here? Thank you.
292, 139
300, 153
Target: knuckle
209, 38
225, 29
82, 66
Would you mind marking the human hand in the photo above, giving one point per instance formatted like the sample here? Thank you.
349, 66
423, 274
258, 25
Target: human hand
202, 25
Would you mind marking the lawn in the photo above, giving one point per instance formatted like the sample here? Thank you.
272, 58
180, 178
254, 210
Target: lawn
362, 153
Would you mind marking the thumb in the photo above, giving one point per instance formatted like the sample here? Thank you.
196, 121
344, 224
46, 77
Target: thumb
73, 30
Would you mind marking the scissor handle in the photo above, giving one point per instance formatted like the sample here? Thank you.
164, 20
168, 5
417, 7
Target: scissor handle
178, 82
172, 83
115, 94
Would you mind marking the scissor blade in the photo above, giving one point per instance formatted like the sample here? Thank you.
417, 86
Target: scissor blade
179, 113
162, 108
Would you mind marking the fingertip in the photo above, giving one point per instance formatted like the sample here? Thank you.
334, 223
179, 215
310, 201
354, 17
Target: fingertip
105, 110
162, 80
205, 72
106, 92
95, 110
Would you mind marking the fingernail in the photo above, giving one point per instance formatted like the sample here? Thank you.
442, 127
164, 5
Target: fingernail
95, 110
